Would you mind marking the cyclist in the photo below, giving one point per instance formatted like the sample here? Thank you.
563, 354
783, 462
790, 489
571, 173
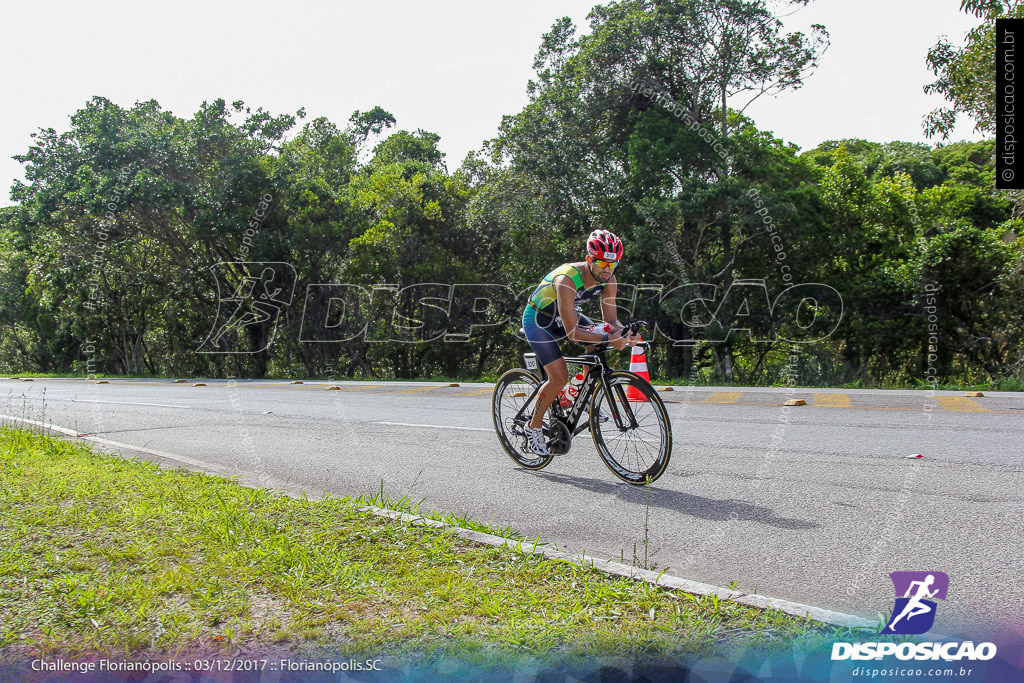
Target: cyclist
551, 315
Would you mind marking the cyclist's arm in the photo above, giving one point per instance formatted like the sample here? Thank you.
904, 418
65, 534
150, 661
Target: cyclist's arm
609, 309
566, 292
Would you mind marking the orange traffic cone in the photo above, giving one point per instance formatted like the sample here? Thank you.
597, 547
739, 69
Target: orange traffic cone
637, 364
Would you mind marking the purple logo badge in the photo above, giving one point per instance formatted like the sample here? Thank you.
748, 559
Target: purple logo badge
914, 611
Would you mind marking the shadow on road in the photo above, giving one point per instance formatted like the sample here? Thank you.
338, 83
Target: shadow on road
685, 503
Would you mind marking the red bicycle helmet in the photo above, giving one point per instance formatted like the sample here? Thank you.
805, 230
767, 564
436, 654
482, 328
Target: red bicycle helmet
604, 245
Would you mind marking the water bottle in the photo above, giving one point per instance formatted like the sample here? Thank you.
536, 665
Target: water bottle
563, 398
574, 386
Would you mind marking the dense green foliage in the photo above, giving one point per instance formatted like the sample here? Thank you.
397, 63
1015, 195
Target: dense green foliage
110, 255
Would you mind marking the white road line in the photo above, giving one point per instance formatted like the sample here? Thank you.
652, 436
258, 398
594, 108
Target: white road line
129, 403
115, 444
123, 403
409, 424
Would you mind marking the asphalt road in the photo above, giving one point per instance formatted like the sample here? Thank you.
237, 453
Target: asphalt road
822, 519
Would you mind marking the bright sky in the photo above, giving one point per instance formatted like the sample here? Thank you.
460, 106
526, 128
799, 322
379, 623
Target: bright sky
453, 67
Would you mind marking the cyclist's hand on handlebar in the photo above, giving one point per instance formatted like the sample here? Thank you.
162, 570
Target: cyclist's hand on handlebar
630, 334
621, 342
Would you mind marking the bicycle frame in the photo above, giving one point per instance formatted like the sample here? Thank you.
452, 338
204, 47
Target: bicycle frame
596, 359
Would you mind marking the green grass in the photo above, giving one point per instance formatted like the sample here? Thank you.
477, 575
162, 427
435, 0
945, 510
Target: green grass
104, 555
405, 504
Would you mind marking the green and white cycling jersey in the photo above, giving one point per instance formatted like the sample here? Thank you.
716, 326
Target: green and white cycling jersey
544, 297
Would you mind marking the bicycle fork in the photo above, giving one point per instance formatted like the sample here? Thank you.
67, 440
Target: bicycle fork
618, 399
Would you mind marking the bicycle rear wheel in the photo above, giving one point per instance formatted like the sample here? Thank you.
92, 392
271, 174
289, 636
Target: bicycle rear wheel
514, 390
639, 451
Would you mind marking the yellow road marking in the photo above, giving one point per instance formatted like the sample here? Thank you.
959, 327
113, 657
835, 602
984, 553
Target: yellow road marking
476, 392
415, 390
47, 379
961, 404
725, 397
899, 410
368, 386
134, 384
831, 400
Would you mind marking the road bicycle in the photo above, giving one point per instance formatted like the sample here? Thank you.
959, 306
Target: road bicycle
633, 437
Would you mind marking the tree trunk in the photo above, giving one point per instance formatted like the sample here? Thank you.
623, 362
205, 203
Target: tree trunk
485, 353
718, 361
724, 114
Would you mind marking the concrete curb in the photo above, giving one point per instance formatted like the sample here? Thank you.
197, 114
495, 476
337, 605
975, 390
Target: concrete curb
630, 572
523, 545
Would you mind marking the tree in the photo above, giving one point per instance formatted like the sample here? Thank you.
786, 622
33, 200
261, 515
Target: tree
406, 146
648, 67
372, 121
23, 322
414, 235
980, 296
629, 128
312, 175
966, 75
124, 213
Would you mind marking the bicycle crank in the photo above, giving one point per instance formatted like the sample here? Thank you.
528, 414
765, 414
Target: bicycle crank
558, 437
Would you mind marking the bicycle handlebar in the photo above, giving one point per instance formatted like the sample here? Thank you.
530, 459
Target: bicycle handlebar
634, 326
630, 327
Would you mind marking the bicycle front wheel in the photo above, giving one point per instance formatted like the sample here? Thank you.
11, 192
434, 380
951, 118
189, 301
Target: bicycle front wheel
636, 440
515, 395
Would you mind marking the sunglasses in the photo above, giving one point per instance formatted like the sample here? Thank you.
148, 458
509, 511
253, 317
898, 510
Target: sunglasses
605, 264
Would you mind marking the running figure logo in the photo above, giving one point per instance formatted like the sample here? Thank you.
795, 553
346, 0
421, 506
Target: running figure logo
250, 297
914, 611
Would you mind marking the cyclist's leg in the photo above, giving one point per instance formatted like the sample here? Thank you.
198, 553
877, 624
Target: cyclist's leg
541, 332
558, 375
